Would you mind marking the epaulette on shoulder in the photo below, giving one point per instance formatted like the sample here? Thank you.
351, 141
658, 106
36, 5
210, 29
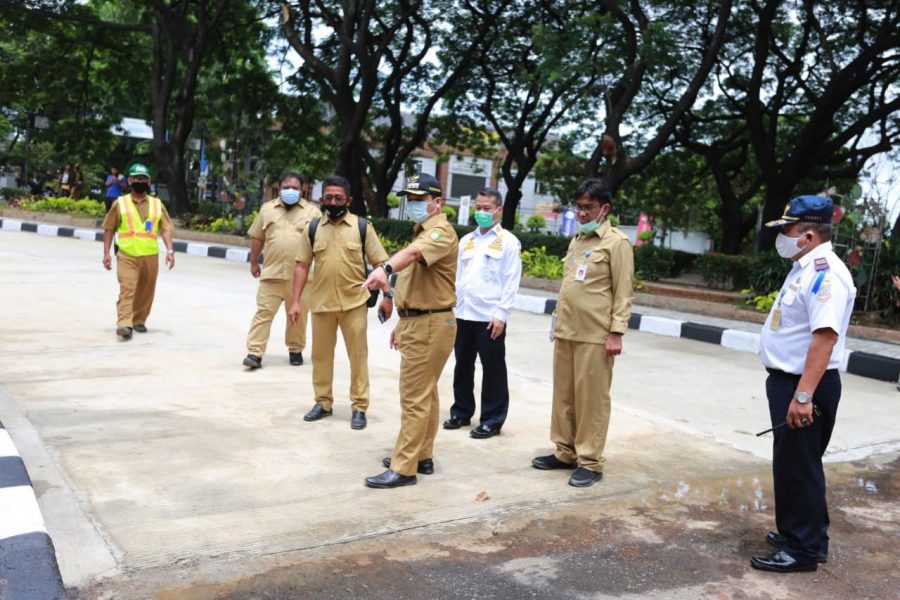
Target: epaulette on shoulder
619, 233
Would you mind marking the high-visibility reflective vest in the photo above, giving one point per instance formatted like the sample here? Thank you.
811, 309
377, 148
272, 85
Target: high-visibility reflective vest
138, 237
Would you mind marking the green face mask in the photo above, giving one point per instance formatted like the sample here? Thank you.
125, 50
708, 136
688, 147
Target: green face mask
484, 219
588, 227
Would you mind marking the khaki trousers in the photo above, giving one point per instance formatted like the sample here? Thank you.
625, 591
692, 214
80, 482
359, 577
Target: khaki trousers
582, 375
425, 343
354, 324
271, 295
137, 287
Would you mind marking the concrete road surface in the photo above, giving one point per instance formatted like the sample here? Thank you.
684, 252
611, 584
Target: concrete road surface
165, 469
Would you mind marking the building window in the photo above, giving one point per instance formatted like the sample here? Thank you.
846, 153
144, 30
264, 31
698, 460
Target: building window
465, 185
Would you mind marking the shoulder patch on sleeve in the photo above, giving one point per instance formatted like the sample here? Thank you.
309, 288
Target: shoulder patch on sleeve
821, 264
435, 235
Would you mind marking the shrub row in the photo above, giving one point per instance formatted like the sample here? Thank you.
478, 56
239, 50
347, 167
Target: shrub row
81, 208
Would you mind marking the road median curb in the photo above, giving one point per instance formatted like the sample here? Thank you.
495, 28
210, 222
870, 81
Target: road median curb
864, 364
28, 567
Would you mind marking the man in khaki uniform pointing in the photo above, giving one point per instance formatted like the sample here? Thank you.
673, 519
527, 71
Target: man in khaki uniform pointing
591, 317
337, 298
280, 226
138, 219
426, 295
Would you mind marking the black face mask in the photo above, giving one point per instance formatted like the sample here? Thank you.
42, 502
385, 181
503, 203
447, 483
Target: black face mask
141, 187
334, 212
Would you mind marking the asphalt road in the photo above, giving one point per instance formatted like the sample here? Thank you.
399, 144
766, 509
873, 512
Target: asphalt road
164, 469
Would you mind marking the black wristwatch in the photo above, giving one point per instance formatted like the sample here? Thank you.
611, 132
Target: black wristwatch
387, 269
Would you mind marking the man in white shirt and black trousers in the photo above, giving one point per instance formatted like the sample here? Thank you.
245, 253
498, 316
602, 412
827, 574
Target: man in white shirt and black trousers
487, 278
801, 345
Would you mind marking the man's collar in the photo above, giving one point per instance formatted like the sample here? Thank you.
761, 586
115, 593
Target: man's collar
432, 221
816, 252
341, 221
496, 229
599, 232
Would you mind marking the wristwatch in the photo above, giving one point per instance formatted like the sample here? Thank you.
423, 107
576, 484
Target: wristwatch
387, 268
802, 397
388, 294
170, 252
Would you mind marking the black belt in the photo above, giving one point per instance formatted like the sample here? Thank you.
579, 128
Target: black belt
786, 374
418, 312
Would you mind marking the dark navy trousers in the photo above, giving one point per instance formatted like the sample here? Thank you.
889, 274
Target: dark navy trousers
473, 338
801, 513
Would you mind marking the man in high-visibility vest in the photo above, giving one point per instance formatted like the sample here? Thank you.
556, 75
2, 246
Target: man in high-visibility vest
139, 219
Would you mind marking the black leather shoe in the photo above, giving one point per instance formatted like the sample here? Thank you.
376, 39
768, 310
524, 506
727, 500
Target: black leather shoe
773, 538
390, 479
316, 412
124, 332
781, 562
483, 431
546, 463
456, 423
358, 420
140, 328
584, 478
253, 361
296, 358
425, 467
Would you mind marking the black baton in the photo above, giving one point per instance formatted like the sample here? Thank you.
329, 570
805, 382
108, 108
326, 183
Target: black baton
816, 412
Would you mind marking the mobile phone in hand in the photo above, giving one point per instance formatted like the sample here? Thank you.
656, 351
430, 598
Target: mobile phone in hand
381, 317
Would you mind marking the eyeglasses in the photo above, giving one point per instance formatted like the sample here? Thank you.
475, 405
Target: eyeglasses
586, 208
333, 198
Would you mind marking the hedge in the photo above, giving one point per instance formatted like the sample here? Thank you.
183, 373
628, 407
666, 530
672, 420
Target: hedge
725, 271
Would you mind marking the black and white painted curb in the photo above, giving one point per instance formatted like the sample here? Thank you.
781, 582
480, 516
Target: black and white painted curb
28, 568
863, 364
96, 235
858, 363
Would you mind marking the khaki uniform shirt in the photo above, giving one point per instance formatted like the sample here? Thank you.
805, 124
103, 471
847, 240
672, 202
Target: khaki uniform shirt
282, 229
112, 218
430, 283
597, 286
340, 271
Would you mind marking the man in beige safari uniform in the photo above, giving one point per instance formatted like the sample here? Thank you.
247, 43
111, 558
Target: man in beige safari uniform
278, 229
336, 297
591, 317
426, 295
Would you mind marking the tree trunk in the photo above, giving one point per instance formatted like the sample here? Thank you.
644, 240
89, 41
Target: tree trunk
510, 204
350, 165
775, 200
170, 164
895, 231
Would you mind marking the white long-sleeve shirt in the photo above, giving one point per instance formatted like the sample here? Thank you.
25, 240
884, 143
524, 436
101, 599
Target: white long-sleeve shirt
488, 271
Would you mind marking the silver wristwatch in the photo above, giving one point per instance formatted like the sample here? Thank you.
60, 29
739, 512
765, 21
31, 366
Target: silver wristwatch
802, 397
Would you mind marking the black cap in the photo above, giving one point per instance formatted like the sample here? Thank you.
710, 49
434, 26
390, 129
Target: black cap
806, 209
421, 185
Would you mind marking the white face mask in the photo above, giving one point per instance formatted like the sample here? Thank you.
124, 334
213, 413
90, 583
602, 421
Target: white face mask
786, 246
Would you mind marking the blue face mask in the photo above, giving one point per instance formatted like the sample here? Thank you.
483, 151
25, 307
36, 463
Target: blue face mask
290, 197
417, 210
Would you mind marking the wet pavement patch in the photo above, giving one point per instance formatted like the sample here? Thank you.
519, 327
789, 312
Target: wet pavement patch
690, 540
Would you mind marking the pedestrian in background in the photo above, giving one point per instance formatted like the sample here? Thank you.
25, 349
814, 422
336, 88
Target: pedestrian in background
77, 181
591, 317
340, 244
278, 229
65, 180
801, 346
138, 220
488, 271
427, 329
114, 185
